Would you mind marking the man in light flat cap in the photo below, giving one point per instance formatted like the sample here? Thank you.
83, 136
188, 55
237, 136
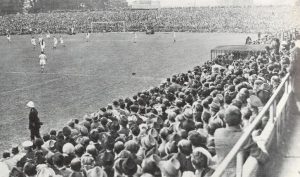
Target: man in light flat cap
34, 121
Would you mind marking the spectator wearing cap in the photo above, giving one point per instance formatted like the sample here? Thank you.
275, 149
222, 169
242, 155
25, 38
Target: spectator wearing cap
171, 118
53, 134
95, 137
76, 168
254, 104
275, 81
96, 172
68, 151
263, 93
198, 139
206, 116
104, 122
118, 147
148, 147
67, 135
84, 134
79, 150
150, 165
184, 155
87, 161
59, 168
163, 113
124, 129
28, 149
38, 143
143, 130
34, 121
225, 138
46, 137
95, 122
60, 141
115, 107
130, 167
15, 150
170, 168
134, 133
217, 114
107, 159
164, 133
30, 169
246, 115
74, 131
5, 156
197, 111
76, 124
113, 134
200, 161
43, 169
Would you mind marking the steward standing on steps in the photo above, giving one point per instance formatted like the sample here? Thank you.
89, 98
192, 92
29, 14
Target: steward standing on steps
34, 121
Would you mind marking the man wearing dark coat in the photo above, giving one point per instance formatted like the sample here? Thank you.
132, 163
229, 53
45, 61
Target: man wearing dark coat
34, 121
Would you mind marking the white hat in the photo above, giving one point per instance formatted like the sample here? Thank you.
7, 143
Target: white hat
27, 144
4, 169
68, 148
30, 104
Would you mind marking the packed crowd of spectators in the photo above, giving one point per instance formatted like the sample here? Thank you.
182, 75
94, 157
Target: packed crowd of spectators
205, 19
183, 127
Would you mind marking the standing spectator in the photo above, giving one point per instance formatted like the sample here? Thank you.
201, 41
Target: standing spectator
34, 121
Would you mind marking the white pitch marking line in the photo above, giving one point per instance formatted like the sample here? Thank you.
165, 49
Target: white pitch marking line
29, 86
84, 75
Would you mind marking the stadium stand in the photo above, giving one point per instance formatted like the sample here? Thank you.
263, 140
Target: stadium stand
205, 19
183, 127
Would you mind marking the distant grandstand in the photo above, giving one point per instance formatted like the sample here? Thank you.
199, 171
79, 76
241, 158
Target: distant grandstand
144, 4
235, 2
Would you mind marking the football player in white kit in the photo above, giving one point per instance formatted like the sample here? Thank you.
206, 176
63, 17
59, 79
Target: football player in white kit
43, 59
62, 41
8, 37
135, 37
43, 45
48, 35
55, 41
87, 37
33, 42
174, 37
72, 30
40, 39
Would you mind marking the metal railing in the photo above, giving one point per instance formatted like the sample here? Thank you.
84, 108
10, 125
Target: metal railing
276, 110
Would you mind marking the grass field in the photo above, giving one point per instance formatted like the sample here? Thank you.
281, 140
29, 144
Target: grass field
84, 76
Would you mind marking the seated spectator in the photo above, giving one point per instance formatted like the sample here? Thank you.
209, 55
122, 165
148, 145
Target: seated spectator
60, 169
76, 168
170, 168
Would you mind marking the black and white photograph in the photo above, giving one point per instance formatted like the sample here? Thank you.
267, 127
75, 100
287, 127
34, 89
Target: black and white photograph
149, 88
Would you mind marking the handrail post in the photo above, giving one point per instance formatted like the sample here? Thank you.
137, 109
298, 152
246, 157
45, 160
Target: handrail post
271, 113
286, 87
291, 84
275, 108
239, 164
279, 128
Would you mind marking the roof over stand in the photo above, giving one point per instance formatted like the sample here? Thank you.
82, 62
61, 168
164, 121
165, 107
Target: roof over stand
240, 48
223, 49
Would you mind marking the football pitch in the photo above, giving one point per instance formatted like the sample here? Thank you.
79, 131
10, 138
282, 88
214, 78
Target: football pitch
85, 76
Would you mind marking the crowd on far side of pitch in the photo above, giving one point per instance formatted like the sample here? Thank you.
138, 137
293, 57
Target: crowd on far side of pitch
205, 19
182, 128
